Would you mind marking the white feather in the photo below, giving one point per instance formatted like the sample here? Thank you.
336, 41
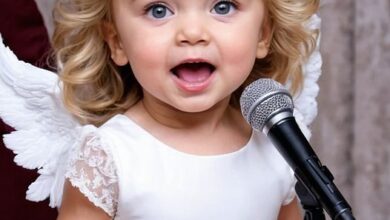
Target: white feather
40, 189
306, 103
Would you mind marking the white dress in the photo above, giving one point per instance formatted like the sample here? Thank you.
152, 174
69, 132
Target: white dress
145, 179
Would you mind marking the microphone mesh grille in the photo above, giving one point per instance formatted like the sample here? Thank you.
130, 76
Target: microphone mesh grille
262, 99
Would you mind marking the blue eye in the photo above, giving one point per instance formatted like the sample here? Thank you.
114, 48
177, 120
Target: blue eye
158, 11
224, 7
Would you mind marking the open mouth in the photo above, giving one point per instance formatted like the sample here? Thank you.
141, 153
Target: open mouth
195, 72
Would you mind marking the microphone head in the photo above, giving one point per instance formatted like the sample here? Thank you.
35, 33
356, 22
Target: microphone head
262, 100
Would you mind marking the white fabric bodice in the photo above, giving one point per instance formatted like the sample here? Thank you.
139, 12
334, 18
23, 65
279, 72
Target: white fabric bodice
155, 181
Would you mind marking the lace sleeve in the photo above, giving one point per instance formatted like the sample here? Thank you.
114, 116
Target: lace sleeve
91, 169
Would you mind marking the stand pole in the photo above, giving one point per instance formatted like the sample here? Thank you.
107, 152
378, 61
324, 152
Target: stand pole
311, 205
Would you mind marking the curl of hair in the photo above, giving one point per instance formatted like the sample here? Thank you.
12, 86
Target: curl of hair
290, 46
94, 89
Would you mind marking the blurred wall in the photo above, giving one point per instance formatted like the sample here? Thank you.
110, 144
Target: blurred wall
352, 131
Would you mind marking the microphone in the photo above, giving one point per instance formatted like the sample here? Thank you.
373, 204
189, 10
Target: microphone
268, 107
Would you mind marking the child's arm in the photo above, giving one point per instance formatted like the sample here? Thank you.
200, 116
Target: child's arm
75, 206
291, 211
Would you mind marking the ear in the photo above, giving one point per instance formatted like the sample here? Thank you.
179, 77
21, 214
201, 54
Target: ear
264, 40
112, 38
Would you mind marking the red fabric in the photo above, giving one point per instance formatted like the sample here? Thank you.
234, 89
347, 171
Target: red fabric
22, 29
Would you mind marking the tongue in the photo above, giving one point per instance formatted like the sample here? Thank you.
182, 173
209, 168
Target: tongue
193, 74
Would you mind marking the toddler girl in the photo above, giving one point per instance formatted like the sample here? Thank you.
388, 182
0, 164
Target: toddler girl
156, 130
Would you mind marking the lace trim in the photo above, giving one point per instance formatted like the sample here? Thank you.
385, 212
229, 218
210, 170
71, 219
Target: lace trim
91, 169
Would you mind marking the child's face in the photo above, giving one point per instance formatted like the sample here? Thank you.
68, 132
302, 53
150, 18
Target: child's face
189, 54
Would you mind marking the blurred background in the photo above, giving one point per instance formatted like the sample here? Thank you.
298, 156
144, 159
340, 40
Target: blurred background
351, 134
352, 131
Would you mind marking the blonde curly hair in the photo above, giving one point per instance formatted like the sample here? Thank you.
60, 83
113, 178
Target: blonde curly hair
95, 89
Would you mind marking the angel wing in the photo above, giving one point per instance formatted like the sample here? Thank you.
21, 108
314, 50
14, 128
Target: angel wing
305, 102
45, 132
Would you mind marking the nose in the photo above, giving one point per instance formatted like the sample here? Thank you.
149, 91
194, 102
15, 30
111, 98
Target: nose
192, 30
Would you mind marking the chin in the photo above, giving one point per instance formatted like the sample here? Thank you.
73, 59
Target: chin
196, 107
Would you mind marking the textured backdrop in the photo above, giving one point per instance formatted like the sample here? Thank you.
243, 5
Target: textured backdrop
352, 131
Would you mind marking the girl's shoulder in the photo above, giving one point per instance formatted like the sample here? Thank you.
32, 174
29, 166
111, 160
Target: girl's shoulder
119, 123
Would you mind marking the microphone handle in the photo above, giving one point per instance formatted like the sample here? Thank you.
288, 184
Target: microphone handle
294, 147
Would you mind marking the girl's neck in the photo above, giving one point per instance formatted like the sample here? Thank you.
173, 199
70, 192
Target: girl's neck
171, 117
221, 127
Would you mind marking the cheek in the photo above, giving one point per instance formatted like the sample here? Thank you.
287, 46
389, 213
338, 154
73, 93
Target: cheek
239, 52
146, 51
239, 44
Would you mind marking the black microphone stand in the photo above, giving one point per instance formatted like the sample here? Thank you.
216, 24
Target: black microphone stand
311, 205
